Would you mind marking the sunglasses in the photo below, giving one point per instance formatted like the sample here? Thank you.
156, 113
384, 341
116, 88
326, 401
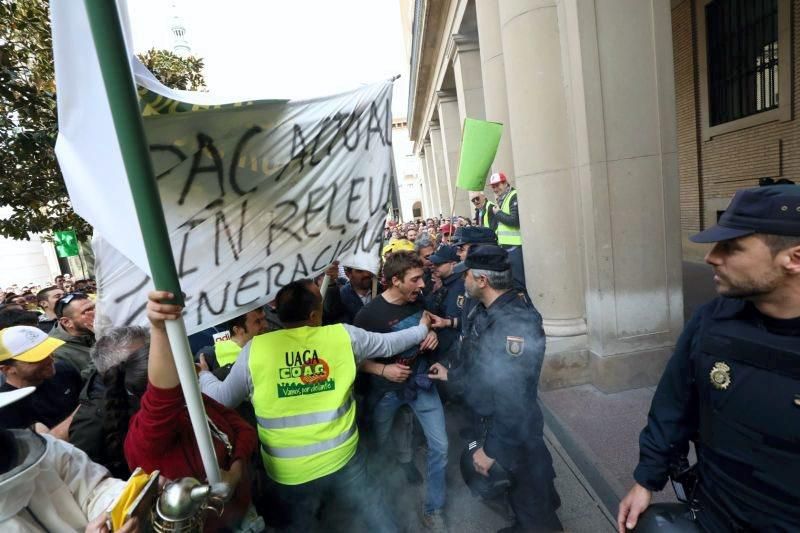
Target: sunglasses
475, 200
66, 300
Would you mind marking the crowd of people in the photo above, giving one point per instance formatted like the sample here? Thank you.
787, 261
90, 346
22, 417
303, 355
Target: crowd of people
309, 397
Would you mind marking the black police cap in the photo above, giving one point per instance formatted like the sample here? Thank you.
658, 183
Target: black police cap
474, 235
485, 257
444, 254
774, 209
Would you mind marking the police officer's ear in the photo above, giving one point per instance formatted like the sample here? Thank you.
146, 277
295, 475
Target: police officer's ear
792, 261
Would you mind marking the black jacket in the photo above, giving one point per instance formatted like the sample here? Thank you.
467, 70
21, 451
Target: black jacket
500, 361
731, 387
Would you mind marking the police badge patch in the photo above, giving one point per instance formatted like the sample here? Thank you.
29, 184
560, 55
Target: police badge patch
515, 346
720, 376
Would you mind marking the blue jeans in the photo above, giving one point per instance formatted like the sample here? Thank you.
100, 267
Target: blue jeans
428, 409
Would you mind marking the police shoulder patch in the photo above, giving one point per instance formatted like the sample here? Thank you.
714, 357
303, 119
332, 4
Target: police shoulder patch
515, 346
460, 301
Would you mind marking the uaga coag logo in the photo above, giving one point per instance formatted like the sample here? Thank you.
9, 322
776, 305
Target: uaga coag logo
305, 373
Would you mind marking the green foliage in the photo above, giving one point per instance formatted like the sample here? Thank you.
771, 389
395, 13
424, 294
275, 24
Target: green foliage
31, 184
174, 71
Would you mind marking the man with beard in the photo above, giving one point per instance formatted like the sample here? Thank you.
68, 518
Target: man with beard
342, 303
501, 359
75, 312
26, 360
732, 384
400, 380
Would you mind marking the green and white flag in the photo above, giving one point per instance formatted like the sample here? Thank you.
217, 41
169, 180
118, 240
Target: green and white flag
66, 243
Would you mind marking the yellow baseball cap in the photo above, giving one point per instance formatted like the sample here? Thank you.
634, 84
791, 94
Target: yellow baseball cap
27, 344
398, 245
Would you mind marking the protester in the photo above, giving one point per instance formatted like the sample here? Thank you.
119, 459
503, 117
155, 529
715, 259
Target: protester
75, 312
47, 299
14, 316
502, 356
400, 379
484, 210
220, 357
446, 230
344, 300
320, 355
160, 435
110, 396
26, 361
48, 485
507, 225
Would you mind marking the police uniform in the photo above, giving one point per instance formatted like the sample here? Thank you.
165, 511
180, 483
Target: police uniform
501, 359
447, 302
733, 387
474, 236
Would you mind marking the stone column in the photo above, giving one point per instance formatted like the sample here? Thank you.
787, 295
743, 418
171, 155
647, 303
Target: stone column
426, 189
623, 89
439, 167
467, 71
450, 123
430, 169
494, 80
546, 175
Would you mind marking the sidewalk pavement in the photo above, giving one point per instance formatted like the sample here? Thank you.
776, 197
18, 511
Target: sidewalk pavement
582, 510
601, 431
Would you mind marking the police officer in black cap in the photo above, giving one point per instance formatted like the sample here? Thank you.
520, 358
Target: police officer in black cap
733, 384
501, 359
471, 237
448, 300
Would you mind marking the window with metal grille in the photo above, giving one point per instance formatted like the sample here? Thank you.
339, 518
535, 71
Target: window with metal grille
742, 55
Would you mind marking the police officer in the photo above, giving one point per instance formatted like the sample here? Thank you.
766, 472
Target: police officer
299, 380
733, 384
448, 301
501, 360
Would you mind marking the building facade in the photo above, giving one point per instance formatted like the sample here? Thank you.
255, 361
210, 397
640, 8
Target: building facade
735, 73
586, 91
407, 174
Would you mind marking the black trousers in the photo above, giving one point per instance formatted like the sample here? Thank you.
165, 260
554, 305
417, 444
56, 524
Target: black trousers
532, 495
351, 486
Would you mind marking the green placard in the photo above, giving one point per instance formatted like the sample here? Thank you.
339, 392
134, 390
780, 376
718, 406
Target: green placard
479, 142
66, 243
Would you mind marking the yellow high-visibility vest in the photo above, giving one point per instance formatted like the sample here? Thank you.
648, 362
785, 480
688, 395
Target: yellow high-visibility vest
508, 235
303, 380
487, 209
226, 352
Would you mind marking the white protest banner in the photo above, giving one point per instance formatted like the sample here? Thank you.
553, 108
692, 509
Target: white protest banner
256, 195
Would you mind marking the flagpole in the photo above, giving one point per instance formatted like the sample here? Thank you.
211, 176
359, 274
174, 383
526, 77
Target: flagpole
123, 101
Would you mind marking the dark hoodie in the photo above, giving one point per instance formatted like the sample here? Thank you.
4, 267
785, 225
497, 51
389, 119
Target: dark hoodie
75, 350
